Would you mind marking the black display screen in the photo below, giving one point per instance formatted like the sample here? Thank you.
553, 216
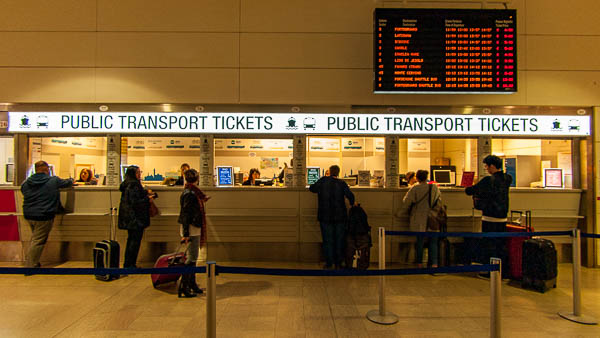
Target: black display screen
445, 51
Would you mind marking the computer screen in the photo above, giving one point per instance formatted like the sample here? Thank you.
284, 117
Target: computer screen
225, 176
31, 170
553, 178
123, 170
312, 174
442, 176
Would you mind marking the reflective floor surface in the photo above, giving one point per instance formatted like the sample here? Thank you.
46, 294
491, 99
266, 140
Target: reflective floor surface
275, 306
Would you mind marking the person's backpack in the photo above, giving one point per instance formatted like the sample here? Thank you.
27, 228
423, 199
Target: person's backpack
357, 221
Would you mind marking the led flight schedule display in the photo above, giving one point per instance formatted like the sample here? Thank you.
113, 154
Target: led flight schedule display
445, 51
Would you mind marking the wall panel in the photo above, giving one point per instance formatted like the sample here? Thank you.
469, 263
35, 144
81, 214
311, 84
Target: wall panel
47, 49
331, 16
563, 17
579, 88
562, 53
47, 85
167, 85
301, 50
55, 15
168, 50
166, 16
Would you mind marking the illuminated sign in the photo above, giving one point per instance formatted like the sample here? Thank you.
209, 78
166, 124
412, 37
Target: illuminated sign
271, 123
445, 51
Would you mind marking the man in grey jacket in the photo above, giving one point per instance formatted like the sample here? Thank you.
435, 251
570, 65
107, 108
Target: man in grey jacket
41, 197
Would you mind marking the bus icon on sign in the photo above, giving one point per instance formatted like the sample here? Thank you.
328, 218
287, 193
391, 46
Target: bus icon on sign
309, 123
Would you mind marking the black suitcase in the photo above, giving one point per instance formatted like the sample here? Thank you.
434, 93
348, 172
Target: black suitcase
106, 253
540, 266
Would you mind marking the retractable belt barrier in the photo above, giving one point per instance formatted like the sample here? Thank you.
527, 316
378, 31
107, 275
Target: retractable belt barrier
479, 234
583, 234
99, 271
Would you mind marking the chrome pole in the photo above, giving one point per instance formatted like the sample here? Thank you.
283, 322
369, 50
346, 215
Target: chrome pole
576, 315
211, 299
496, 299
381, 316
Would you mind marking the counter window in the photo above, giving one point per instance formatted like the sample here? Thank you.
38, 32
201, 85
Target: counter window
160, 158
82, 158
528, 161
361, 159
268, 156
7, 166
445, 159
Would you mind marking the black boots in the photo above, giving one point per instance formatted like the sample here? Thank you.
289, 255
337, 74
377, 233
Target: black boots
187, 285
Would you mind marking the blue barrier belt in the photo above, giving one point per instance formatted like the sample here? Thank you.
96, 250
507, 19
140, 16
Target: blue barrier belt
479, 234
387, 272
93, 271
583, 234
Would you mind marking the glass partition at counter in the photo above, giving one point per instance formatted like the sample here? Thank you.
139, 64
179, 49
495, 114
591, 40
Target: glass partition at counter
160, 158
269, 156
351, 154
445, 159
69, 156
7, 161
526, 159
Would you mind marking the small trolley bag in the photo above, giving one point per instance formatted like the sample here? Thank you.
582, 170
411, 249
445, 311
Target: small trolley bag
169, 260
358, 239
539, 264
514, 245
106, 253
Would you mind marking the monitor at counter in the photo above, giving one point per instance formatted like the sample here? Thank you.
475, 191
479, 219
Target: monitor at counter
444, 177
31, 170
123, 170
312, 175
224, 176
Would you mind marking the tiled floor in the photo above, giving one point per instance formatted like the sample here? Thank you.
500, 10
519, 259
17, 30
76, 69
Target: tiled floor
273, 306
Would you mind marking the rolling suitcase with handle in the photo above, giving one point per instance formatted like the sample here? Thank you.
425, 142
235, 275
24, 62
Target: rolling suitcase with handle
539, 264
514, 245
166, 261
106, 253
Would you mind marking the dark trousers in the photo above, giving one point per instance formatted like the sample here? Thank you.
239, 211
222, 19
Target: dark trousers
494, 247
333, 242
134, 239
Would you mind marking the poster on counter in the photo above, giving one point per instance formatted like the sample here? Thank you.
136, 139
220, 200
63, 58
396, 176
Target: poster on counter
364, 178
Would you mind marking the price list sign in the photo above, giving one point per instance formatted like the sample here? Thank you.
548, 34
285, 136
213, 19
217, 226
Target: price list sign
445, 51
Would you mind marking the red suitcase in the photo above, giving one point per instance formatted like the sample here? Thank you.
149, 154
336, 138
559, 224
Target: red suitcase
514, 245
169, 260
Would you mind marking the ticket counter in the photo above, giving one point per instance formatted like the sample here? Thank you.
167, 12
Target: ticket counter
267, 223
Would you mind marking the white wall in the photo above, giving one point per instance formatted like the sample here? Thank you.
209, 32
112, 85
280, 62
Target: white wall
6, 156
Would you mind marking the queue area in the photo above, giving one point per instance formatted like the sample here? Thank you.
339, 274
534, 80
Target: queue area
276, 217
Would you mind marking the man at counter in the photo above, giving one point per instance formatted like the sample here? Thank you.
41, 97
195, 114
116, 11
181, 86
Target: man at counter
491, 197
182, 170
332, 215
41, 197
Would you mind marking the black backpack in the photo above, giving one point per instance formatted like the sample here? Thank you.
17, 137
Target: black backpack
357, 221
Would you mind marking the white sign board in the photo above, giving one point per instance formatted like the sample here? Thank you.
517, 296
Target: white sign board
289, 123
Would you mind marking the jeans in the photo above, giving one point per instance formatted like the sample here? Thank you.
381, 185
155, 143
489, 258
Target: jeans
39, 236
333, 242
134, 240
192, 250
432, 253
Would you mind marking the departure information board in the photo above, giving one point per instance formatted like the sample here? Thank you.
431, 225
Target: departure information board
445, 51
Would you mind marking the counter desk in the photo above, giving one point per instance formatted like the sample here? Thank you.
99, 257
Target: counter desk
268, 223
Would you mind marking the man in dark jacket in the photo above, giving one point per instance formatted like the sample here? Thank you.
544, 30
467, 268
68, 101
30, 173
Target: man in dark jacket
332, 214
493, 194
41, 197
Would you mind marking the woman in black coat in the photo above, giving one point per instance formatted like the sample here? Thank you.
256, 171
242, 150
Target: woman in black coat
134, 213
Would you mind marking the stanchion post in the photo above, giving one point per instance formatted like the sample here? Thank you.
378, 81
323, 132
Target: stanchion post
576, 315
211, 299
496, 299
381, 316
